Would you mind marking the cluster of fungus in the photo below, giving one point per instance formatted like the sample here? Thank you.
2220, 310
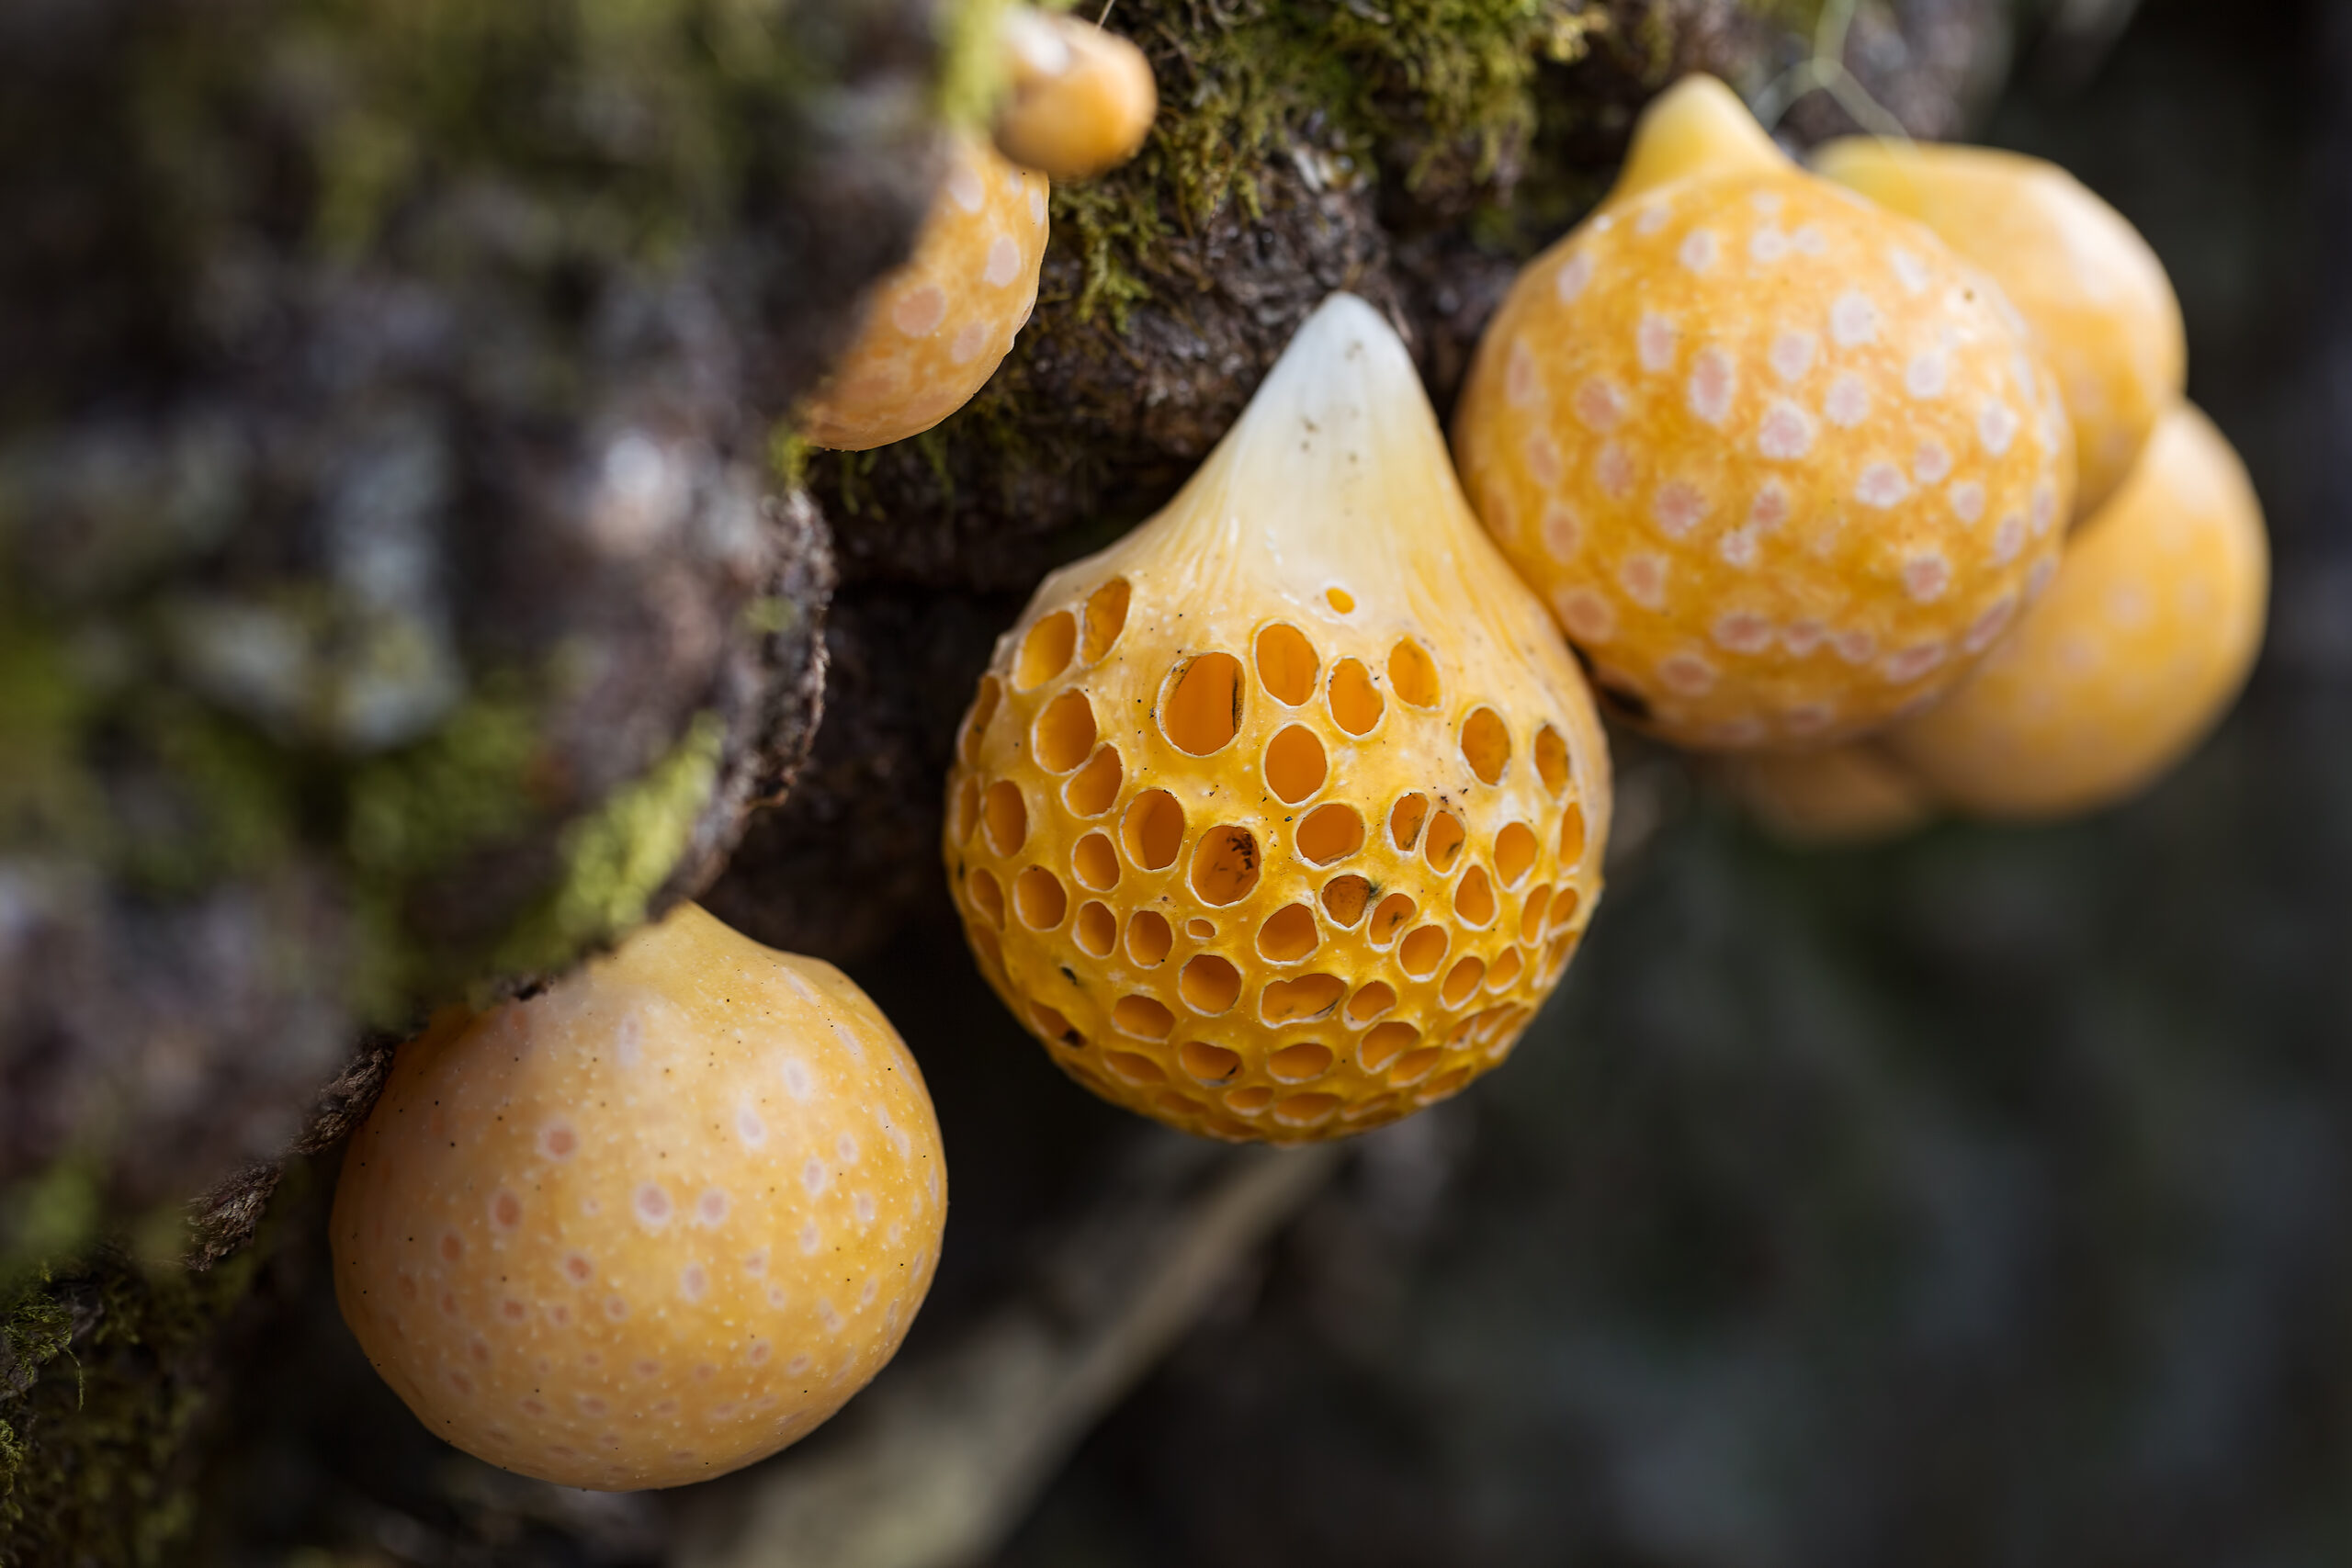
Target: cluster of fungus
1783, 463
650, 1224
1080, 101
2140, 646
1279, 818
2090, 291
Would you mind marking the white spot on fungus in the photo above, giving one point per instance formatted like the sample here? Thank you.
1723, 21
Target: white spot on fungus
1560, 532
2009, 539
1712, 384
1968, 500
1882, 486
1699, 250
1743, 631
1678, 507
1614, 471
796, 1080
1926, 576
1849, 402
1600, 405
1785, 434
1792, 355
1004, 261
1587, 616
1644, 580
1520, 385
1996, 426
1931, 465
652, 1204
813, 1175
1913, 662
1574, 278
1853, 320
1655, 340
1927, 375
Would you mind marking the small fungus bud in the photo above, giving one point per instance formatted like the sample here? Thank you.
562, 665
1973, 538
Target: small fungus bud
1775, 457
1853, 793
937, 328
653, 1223
2138, 648
1082, 98
2101, 306
1279, 817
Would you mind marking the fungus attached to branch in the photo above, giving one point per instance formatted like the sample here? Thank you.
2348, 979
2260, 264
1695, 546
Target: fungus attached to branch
1782, 464
653, 1223
1279, 817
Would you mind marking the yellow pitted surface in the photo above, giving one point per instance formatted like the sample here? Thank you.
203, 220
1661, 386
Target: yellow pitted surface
2102, 311
1781, 462
1279, 817
650, 1225
937, 328
2138, 649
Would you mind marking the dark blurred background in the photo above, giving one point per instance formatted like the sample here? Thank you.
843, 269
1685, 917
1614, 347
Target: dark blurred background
1983, 1199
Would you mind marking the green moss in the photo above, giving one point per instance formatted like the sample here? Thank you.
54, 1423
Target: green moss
468, 784
53, 1214
102, 1371
45, 796
971, 78
616, 859
1417, 82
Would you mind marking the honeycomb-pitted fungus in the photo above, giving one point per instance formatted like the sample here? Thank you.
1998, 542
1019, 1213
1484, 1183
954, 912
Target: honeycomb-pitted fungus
1782, 464
1279, 817
2101, 310
937, 328
650, 1225
1082, 98
2138, 648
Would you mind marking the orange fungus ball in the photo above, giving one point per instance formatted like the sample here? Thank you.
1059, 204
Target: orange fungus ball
2138, 649
1782, 464
937, 328
1082, 98
2101, 308
651, 1224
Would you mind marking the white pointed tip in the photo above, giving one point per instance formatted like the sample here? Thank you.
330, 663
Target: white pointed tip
1346, 325
1345, 360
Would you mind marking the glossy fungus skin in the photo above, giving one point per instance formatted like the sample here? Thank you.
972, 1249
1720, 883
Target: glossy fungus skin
651, 1224
2140, 646
1853, 793
937, 328
1279, 817
1082, 98
2101, 310
1782, 463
